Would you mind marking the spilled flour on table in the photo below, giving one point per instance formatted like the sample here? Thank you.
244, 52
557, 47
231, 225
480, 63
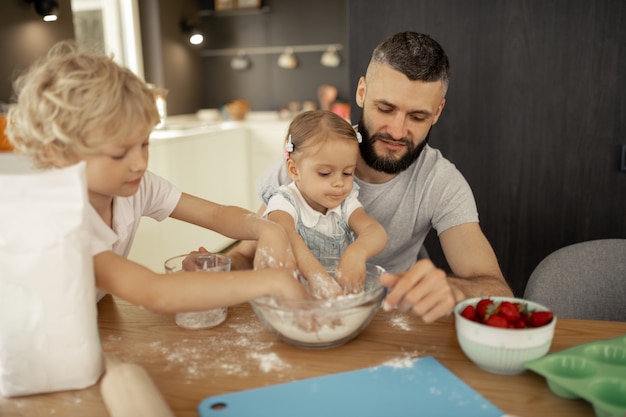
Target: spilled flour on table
406, 361
269, 361
244, 349
400, 321
71, 404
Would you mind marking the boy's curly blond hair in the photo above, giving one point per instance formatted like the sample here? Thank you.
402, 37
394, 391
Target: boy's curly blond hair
70, 102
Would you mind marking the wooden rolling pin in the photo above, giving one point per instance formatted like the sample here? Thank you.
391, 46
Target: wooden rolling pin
128, 391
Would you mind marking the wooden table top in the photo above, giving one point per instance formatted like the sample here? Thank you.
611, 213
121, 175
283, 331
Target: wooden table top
189, 365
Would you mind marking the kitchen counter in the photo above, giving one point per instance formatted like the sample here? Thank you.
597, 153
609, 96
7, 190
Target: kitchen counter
190, 124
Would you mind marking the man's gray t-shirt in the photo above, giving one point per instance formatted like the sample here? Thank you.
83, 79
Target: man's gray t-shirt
430, 193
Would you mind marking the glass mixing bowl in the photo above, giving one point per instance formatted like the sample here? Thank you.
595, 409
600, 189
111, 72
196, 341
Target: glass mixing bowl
321, 324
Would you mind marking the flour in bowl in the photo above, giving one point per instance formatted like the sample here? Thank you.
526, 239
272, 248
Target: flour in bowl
318, 329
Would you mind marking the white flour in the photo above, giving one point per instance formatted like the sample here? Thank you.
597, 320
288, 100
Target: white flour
201, 319
269, 361
398, 363
399, 321
325, 322
407, 360
244, 350
321, 329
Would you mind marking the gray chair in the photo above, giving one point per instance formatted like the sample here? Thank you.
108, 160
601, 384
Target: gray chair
585, 280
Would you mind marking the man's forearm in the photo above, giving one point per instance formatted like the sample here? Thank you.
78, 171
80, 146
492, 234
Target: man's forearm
479, 287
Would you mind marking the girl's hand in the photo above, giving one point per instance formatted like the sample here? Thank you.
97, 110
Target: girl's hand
351, 273
322, 286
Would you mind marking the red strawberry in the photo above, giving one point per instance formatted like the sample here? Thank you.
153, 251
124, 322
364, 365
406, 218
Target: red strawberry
509, 311
484, 308
520, 324
469, 313
497, 321
540, 318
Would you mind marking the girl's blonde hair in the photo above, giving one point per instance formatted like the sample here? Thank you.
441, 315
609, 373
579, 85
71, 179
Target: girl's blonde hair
70, 102
314, 128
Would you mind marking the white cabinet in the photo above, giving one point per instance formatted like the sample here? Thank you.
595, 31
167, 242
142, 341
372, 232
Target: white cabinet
267, 140
211, 164
219, 162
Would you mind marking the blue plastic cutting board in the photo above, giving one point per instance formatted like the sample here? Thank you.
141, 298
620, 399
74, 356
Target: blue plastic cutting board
423, 388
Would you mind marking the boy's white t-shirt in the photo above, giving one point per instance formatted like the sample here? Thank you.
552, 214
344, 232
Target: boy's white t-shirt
155, 198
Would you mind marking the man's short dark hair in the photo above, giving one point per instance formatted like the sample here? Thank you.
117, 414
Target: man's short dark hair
415, 55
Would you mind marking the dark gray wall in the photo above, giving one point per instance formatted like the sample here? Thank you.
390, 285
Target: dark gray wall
177, 65
265, 85
535, 114
24, 36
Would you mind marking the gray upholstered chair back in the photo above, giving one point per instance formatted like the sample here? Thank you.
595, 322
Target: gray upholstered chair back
584, 281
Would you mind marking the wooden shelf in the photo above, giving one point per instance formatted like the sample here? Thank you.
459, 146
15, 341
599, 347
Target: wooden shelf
234, 12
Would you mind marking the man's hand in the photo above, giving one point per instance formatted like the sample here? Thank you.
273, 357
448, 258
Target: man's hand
424, 290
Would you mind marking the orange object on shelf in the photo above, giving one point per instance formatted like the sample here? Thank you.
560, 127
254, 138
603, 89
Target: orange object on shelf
341, 109
237, 109
5, 145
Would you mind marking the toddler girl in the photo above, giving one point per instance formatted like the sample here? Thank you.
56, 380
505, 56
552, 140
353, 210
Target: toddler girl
319, 209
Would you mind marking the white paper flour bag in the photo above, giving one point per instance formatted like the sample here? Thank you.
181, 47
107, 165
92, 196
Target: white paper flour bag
48, 318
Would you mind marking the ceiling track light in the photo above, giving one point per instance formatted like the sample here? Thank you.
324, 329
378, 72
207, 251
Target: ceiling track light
287, 59
240, 62
195, 36
47, 9
330, 58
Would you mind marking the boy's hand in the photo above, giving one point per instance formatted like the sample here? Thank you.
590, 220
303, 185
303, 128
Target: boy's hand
289, 287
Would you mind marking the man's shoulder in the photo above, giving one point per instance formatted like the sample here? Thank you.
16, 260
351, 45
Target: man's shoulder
434, 162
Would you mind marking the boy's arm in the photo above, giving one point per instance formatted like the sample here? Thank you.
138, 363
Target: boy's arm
242, 254
189, 291
272, 249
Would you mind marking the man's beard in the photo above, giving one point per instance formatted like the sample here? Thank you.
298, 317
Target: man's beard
388, 165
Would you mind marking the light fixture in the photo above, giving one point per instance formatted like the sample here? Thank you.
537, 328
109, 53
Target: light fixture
330, 58
48, 9
287, 59
195, 36
240, 62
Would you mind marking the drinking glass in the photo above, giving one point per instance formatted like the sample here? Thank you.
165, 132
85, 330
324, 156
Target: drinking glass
212, 262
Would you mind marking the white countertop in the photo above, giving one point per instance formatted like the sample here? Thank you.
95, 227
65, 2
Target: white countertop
190, 124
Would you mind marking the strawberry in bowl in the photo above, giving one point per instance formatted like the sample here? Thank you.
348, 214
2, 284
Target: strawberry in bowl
500, 334
507, 314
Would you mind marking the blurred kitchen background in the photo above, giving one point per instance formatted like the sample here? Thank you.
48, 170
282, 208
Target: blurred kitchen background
535, 116
197, 76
